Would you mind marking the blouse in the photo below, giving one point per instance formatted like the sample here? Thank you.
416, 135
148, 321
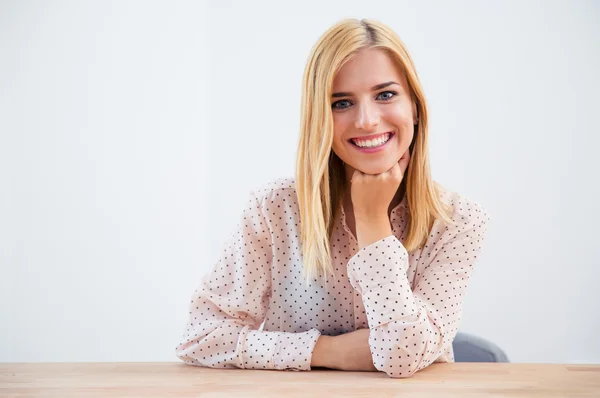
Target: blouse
253, 310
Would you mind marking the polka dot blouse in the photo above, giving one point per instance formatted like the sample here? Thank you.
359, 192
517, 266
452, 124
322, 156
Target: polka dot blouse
253, 310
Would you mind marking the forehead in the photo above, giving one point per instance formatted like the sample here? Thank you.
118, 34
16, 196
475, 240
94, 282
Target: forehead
366, 69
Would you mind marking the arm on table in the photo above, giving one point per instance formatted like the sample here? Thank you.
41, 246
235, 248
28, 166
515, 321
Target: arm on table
411, 329
231, 303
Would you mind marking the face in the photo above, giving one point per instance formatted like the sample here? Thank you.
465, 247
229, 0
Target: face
373, 114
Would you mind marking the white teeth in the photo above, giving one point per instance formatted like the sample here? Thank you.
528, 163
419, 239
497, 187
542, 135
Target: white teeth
373, 143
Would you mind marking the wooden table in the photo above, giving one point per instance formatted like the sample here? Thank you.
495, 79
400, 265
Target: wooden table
179, 380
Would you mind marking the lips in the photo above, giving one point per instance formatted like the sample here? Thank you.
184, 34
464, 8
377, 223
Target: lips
370, 141
370, 137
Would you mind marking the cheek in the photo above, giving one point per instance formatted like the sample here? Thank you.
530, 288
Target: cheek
400, 116
401, 119
340, 127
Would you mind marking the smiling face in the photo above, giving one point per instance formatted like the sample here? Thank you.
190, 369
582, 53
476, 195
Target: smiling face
373, 114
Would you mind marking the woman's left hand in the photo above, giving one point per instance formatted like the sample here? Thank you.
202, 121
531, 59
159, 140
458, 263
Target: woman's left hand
372, 194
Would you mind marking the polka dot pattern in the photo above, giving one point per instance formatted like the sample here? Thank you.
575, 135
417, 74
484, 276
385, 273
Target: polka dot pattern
254, 311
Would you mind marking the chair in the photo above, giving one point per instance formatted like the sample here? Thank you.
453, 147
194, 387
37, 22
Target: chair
469, 348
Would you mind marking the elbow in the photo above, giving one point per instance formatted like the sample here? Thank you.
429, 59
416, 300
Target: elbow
403, 363
404, 369
399, 375
204, 349
398, 370
193, 349
193, 346
399, 363
418, 347
184, 352
189, 353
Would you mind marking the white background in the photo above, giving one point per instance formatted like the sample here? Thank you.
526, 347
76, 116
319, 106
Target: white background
131, 132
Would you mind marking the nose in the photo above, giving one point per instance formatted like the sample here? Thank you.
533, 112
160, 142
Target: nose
367, 118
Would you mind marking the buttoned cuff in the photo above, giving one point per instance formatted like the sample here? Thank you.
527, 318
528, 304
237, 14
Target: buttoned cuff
279, 350
378, 273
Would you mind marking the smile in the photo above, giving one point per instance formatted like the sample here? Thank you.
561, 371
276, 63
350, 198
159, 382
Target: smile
376, 141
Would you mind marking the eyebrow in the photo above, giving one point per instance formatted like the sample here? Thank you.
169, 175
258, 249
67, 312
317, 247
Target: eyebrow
377, 87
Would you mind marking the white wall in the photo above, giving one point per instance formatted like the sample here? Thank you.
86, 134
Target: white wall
102, 191
114, 200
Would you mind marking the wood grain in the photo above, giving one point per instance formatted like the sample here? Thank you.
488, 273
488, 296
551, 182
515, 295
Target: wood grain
179, 380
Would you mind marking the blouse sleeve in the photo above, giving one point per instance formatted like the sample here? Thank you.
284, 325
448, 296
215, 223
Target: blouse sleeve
410, 329
231, 302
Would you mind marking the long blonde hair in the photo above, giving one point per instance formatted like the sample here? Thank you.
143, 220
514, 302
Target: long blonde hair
320, 180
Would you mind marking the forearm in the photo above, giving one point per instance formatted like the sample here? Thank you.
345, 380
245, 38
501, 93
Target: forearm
324, 355
210, 344
407, 333
369, 231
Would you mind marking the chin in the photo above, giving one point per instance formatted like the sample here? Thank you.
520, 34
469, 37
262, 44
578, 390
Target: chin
374, 169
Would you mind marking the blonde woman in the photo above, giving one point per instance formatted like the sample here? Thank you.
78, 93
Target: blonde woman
361, 262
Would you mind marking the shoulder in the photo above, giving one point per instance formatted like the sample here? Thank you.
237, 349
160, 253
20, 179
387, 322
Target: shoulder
276, 192
464, 210
277, 185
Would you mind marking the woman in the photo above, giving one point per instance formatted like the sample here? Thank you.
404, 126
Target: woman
386, 252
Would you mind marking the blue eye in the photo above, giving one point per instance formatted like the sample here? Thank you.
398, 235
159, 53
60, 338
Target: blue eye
386, 95
338, 104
